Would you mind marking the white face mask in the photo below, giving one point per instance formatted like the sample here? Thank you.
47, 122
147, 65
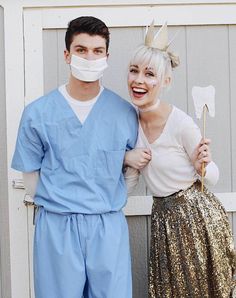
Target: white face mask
87, 70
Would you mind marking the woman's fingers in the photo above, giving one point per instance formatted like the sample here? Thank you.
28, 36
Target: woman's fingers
144, 157
205, 141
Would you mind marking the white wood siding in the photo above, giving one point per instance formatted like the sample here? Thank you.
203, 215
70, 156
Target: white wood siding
203, 63
5, 288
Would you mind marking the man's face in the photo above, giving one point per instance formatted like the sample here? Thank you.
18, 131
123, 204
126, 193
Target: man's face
87, 47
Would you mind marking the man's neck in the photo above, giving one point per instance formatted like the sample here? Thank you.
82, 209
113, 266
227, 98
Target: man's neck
82, 90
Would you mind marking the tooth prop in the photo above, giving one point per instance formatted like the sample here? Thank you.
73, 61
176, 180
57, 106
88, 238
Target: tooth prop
204, 96
160, 41
204, 100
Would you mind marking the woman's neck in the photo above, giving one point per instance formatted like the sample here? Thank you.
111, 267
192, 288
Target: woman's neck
157, 115
150, 108
153, 122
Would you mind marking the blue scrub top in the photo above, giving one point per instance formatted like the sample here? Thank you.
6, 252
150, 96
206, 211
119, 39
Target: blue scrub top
80, 165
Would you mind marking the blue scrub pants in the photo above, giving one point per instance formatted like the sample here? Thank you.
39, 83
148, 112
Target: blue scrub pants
81, 256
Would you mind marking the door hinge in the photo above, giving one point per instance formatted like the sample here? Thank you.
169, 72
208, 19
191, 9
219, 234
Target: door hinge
18, 184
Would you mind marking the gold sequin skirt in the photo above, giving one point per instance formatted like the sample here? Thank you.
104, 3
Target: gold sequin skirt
192, 252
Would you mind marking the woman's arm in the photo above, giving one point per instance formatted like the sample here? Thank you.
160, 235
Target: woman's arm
131, 178
135, 160
198, 150
202, 154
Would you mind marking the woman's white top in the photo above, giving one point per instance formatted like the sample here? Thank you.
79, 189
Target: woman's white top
170, 168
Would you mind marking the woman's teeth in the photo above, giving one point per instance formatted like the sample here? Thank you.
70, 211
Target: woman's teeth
139, 90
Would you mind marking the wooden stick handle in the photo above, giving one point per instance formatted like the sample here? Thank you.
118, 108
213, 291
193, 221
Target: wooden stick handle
204, 135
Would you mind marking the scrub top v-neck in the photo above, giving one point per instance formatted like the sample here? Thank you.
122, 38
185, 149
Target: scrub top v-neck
81, 108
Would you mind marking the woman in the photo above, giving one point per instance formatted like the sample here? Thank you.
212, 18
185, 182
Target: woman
191, 252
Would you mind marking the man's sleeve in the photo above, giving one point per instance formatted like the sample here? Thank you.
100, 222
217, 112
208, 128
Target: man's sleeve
132, 121
29, 149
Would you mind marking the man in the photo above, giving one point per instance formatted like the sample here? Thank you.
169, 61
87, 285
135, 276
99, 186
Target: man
71, 145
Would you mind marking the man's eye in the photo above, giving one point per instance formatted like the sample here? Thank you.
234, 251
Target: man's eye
80, 50
98, 51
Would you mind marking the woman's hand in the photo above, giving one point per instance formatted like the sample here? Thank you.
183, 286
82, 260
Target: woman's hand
201, 154
137, 158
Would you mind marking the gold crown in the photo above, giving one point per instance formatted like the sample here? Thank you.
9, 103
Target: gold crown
160, 41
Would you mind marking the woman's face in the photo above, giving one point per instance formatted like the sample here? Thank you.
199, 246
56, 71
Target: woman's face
144, 85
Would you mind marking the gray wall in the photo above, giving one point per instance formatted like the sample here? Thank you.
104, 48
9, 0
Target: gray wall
5, 291
203, 62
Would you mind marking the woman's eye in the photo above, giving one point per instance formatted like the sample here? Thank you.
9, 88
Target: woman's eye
150, 74
132, 70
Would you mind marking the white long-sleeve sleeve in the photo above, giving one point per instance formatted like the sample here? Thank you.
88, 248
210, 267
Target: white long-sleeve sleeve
131, 178
191, 136
30, 182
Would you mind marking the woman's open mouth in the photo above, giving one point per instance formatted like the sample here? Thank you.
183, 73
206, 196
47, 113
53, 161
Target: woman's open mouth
138, 92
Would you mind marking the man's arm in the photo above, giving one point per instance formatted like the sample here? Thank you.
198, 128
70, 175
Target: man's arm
30, 182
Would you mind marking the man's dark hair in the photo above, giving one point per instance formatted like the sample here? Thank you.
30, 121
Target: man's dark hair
89, 25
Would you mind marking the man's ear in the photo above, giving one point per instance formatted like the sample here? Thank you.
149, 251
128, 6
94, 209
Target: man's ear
67, 56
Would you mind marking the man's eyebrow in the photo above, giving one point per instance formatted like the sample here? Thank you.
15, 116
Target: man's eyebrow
97, 48
84, 47
80, 46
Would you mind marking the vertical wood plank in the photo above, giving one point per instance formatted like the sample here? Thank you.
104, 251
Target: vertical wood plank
177, 94
63, 68
234, 226
50, 60
33, 46
148, 233
138, 244
230, 217
207, 64
232, 69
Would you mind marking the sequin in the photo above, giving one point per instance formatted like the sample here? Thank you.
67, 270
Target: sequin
192, 252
